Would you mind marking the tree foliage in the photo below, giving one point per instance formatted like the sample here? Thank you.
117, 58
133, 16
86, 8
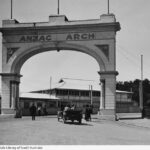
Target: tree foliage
133, 86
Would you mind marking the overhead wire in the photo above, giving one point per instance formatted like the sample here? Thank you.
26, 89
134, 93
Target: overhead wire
125, 54
131, 57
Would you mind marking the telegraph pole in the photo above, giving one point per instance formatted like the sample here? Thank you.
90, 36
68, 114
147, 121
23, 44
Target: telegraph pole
141, 87
50, 86
91, 94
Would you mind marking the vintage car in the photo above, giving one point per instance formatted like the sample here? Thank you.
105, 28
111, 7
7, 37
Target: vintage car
70, 115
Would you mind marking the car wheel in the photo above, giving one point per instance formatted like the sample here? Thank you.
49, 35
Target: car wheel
64, 120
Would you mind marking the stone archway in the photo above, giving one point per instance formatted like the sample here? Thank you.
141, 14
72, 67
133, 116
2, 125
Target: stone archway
95, 38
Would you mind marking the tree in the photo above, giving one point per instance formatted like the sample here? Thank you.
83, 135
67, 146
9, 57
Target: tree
134, 87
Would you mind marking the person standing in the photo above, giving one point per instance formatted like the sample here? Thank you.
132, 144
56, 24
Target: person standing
73, 107
67, 107
33, 111
88, 113
45, 110
39, 110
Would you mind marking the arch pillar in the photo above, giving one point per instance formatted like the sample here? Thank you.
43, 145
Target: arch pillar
102, 98
108, 94
10, 94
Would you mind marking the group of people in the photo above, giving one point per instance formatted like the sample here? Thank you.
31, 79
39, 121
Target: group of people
34, 111
69, 108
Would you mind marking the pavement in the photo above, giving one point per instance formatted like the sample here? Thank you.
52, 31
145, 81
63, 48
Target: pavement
143, 123
46, 130
137, 122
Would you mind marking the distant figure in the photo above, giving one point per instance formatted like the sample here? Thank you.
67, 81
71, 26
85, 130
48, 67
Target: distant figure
67, 107
91, 109
45, 111
39, 110
73, 107
88, 112
61, 108
33, 111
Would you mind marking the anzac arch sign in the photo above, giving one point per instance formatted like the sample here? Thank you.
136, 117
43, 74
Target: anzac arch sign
20, 41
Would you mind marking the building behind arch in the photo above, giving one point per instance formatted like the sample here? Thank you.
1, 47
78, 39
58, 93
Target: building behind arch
75, 92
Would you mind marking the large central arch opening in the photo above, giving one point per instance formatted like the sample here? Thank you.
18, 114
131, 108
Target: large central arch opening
42, 73
38, 69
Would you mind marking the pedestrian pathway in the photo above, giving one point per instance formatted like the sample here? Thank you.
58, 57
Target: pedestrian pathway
132, 122
144, 123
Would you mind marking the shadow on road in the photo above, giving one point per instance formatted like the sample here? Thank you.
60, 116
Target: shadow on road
76, 123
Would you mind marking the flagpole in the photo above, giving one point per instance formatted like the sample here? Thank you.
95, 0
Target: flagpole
11, 9
108, 6
58, 8
50, 86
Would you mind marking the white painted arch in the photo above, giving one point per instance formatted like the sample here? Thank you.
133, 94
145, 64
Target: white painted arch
96, 38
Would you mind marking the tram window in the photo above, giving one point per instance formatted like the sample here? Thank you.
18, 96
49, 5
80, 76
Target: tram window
26, 105
84, 93
52, 104
39, 104
73, 93
96, 94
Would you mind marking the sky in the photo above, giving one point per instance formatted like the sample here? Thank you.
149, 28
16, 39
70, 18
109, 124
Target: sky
132, 40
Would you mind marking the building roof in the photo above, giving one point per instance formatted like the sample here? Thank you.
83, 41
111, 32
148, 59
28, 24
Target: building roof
71, 84
77, 84
81, 85
37, 95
